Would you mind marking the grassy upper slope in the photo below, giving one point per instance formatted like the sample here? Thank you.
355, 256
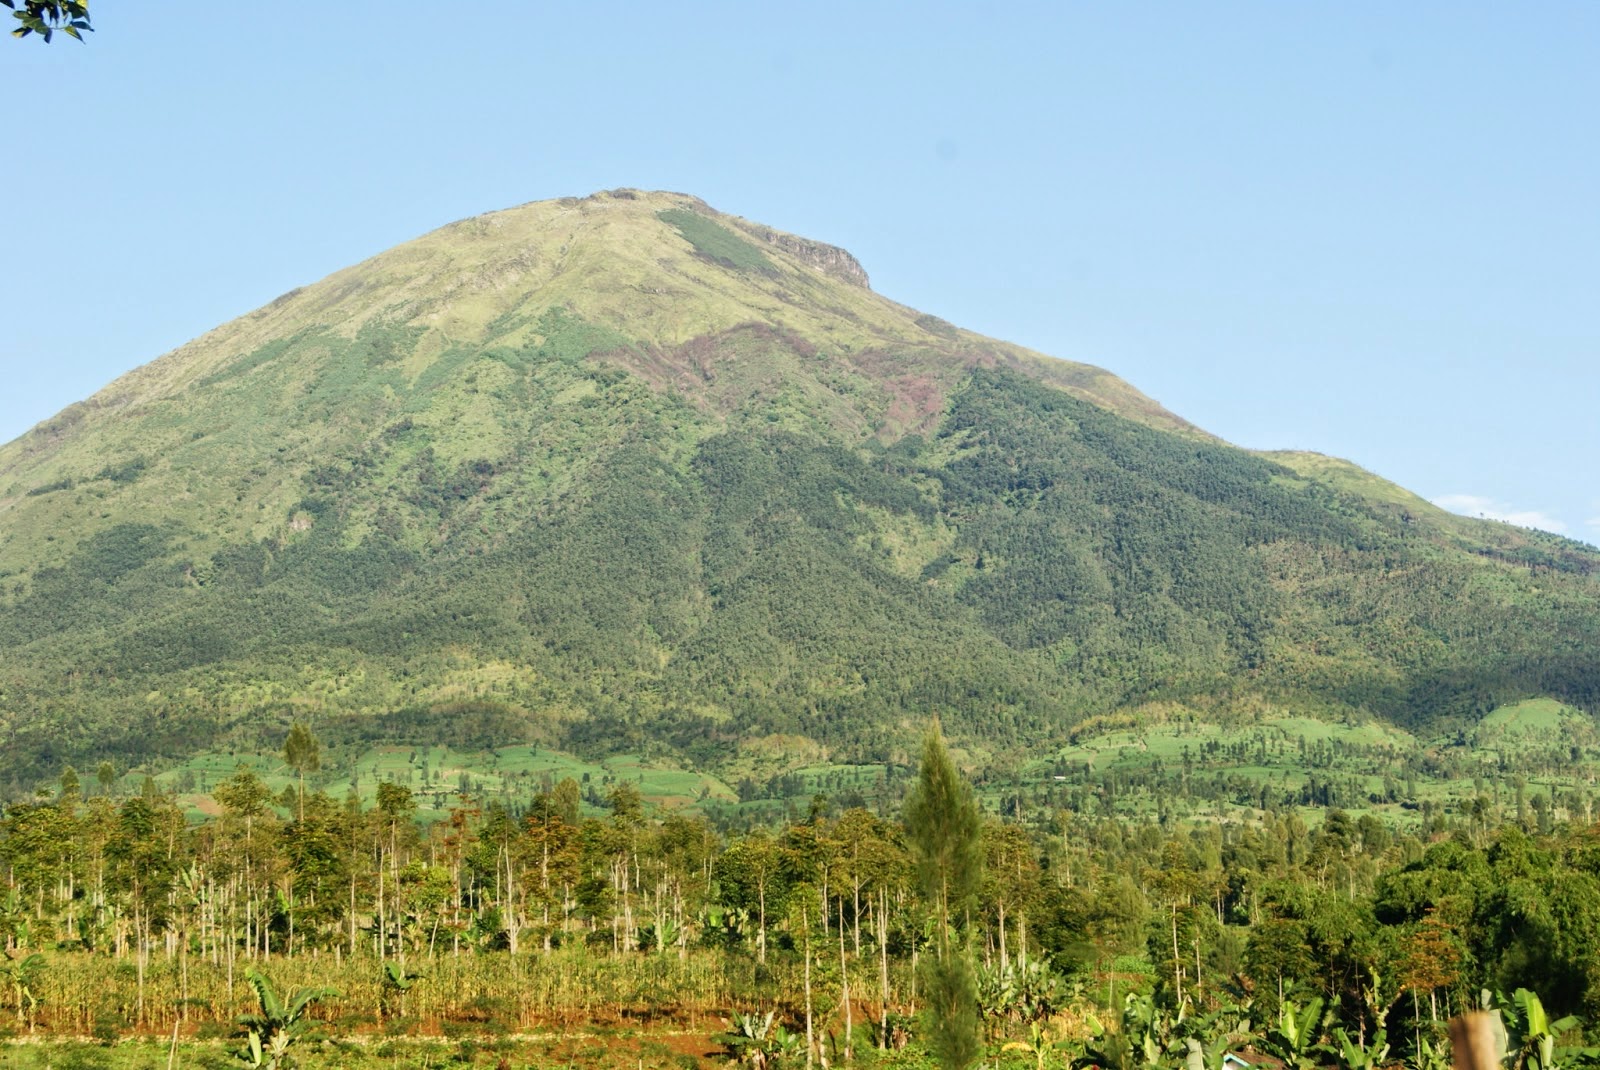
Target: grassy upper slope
627, 474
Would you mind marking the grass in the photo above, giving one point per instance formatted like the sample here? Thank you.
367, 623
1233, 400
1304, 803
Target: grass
1533, 717
1353, 479
716, 242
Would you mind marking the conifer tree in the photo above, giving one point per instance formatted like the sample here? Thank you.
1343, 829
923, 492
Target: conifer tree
71, 787
944, 833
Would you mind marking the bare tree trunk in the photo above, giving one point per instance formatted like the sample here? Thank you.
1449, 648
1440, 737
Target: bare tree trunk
352, 915
855, 883
883, 961
761, 931
233, 940
805, 926
380, 930
1177, 957
544, 880
1005, 961
844, 990
513, 918
141, 934
399, 909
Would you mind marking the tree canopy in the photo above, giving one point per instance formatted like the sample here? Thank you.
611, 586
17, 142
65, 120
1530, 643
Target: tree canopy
45, 17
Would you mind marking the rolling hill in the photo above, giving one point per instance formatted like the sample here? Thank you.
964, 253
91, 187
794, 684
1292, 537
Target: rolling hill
625, 474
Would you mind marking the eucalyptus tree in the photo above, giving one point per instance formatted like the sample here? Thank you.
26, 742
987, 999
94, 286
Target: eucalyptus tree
496, 862
1176, 885
551, 840
856, 832
1011, 883
246, 862
621, 839
316, 847
144, 851
752, 876
686, 847
33, 840
393, 828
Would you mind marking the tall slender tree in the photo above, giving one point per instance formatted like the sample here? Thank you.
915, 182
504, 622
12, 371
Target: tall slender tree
303, 754
944, 831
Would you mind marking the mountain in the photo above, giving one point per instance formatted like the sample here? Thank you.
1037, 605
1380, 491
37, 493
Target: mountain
626, 472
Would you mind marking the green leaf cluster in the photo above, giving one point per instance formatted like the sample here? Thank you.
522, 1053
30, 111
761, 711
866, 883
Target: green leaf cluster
45, 17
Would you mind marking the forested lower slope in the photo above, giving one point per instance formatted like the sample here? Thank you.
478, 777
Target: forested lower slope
628, 473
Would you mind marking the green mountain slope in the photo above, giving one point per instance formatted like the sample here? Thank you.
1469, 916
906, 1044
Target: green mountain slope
627, 473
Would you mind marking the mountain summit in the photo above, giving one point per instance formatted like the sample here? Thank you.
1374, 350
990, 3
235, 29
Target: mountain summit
627, 472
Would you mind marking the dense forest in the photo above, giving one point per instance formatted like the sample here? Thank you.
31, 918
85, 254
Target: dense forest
1037, 561
1121, 943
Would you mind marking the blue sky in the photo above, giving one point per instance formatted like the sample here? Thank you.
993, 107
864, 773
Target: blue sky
1371, 230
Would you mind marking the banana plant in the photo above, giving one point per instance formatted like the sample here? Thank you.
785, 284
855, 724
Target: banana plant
279, 1024
23, 975
748, 1039
1110, 1050
761, 1041
1354, 1056
1040, 991
392, 989
667, 933
1429, 1056
787, 1048
1200, 1055
997, 995
730, 924
14, 925
1021, 991
1040, 1043
1294, 1038
1530, 1034
1210, 1039
1142, 1039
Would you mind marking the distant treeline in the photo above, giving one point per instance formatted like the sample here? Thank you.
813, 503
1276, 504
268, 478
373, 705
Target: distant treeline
514, 918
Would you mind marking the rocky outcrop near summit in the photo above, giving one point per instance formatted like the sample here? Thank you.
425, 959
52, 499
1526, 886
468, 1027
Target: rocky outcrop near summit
832, 261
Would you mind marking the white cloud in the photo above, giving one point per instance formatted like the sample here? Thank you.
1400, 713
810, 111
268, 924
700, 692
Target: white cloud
1489, 509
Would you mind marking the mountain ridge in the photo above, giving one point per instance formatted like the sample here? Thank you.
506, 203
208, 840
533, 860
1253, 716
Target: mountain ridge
441, 294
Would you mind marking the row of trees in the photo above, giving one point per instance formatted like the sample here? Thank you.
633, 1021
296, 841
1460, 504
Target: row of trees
843, 919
